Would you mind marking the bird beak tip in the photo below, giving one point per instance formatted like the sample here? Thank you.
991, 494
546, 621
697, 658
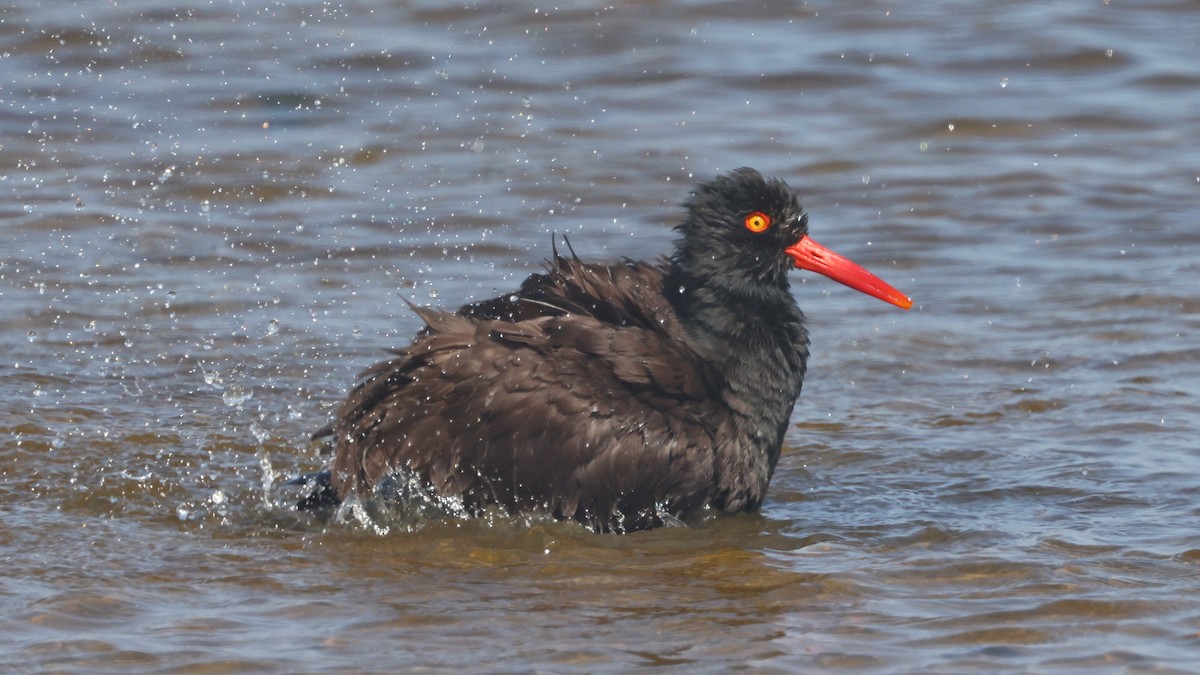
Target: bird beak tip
810, 255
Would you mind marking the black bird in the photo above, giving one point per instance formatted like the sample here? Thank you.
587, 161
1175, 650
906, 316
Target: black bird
621, 396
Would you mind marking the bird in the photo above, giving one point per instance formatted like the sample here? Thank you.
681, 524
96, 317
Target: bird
622, 396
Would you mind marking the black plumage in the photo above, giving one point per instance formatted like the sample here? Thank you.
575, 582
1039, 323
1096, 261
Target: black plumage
619, 395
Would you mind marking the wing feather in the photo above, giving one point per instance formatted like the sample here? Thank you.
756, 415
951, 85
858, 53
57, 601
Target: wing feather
562, 413
577, 395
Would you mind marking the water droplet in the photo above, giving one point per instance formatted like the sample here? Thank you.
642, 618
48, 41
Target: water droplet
32, 336
273, 327
260, 434
212, 378
235, 395
433, 293
90, 327
182, 512
217, 497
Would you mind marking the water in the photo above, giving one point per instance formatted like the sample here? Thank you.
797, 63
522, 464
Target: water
212, 216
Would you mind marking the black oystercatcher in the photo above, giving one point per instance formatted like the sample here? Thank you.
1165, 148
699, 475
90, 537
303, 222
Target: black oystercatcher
621, 396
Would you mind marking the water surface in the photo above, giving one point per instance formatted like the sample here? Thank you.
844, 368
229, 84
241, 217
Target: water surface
213, 215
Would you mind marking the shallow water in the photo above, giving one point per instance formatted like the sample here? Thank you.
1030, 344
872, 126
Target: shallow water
212, 216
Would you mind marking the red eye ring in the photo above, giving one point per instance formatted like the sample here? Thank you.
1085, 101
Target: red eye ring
757, 221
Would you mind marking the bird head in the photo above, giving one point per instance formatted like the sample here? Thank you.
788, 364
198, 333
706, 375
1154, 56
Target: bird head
746, 232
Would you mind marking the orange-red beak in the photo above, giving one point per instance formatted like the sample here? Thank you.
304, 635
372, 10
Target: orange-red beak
810, 255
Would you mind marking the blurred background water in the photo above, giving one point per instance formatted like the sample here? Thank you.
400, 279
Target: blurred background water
213, 212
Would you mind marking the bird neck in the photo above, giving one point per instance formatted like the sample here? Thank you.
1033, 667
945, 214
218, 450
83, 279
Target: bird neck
754, 336
724, 315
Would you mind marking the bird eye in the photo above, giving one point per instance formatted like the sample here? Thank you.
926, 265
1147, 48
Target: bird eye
757, 221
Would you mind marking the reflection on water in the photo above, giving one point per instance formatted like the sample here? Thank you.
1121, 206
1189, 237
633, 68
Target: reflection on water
214, 214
